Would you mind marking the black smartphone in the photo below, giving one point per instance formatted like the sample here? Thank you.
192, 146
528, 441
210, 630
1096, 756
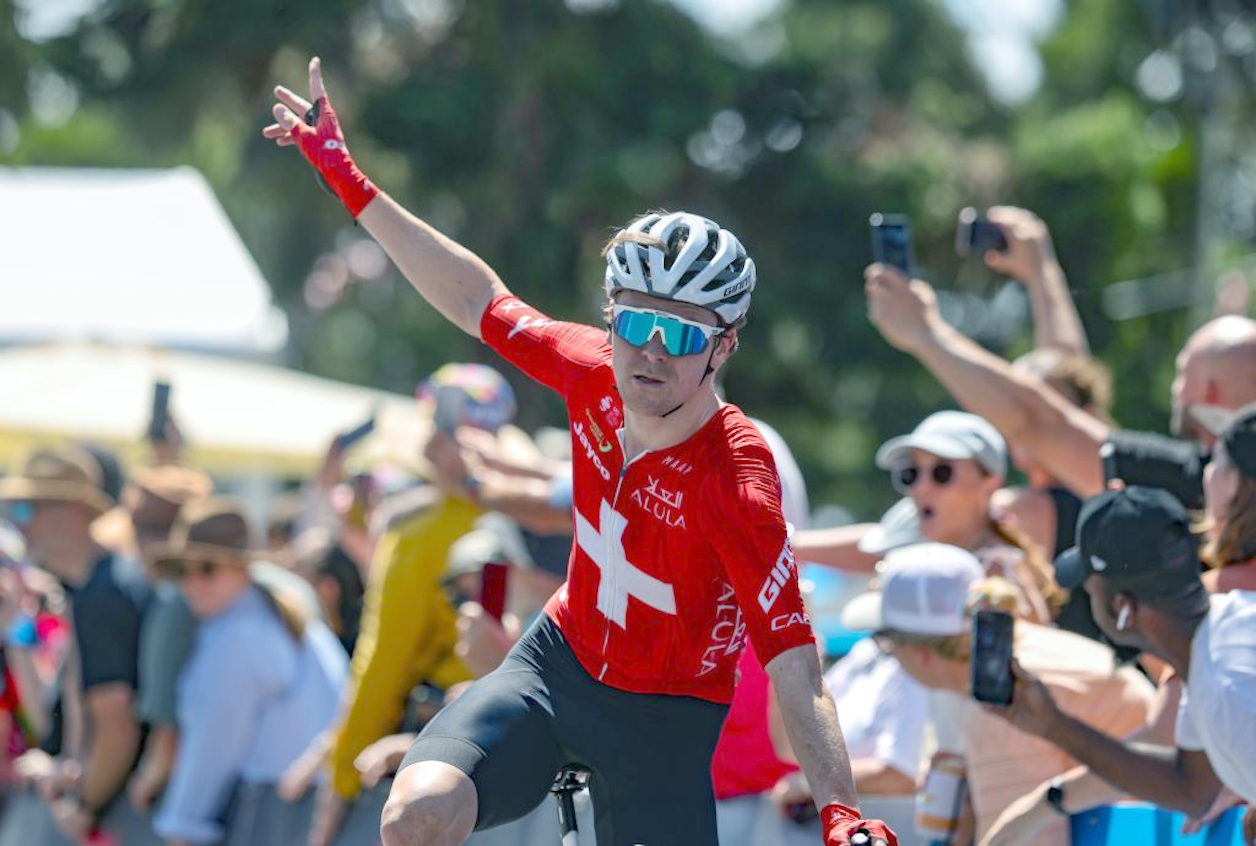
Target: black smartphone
347, 439
973, 233
891, 241
992, 657
161, 412
450, 401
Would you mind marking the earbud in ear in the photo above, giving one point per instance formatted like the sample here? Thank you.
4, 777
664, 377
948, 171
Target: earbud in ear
1123, 619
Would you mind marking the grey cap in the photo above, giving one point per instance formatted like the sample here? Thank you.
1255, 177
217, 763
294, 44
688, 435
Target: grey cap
950, 434
495, 539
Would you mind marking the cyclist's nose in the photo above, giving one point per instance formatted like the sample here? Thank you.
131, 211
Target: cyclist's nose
654, 349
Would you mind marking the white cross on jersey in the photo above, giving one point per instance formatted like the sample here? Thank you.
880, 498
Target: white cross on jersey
620, 577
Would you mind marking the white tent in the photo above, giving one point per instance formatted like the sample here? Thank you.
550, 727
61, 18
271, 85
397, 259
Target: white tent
129, 256
237, 417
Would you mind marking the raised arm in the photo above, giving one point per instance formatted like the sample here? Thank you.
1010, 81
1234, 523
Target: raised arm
1030, 259
1021, 406
453, 279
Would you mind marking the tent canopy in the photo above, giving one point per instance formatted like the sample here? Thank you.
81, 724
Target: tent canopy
237, 417
130, 256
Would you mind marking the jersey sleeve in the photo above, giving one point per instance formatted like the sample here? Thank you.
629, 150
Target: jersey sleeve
553, 352
749, 534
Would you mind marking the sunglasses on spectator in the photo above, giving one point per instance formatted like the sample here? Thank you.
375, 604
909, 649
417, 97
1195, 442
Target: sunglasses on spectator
184, 570
908, 476
680, 337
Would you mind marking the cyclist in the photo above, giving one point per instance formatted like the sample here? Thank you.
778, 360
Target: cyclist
680, 548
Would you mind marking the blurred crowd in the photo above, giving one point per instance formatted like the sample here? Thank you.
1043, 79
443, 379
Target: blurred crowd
175, 673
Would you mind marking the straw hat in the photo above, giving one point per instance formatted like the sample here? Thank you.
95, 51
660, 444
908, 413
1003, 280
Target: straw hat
213, 528
152, 499
69, 475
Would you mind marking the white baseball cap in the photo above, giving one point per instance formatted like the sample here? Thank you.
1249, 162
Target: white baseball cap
953, 435
924, 590
899, 526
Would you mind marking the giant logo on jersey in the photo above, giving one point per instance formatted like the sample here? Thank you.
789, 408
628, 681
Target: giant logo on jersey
620, 578
776, 579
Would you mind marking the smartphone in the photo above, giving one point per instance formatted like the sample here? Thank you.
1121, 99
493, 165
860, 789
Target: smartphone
891, 241
973, 233
348, 439
450, 401
493, 589
161, 412
992, 657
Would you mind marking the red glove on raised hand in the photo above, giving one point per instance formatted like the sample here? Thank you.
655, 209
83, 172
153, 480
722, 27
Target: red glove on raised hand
321, 142
839, 822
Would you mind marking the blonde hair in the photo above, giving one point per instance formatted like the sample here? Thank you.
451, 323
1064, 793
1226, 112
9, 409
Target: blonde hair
1237, 541
1034, 570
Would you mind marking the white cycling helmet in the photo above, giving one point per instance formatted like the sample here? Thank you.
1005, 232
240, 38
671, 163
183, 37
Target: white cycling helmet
704, 264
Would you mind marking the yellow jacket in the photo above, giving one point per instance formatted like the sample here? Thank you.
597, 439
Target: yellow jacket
407, 634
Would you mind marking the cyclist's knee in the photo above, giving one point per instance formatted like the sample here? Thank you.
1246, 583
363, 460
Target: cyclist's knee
431, 804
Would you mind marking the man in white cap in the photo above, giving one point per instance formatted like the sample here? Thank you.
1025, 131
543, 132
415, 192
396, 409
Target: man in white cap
922, 614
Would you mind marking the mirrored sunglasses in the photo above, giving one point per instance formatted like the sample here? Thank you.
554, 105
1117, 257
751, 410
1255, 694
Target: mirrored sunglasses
680, 337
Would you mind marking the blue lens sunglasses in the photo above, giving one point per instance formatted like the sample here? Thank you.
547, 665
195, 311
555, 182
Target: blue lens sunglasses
680, 337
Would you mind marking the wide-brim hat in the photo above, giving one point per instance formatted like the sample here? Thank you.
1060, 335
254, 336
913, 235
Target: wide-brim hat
153, 497
69, 475
213, 528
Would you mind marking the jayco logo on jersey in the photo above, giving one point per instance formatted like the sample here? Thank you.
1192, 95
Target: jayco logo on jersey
727, 633
527, 321
661, 503
590, 453
603, 445
776, 578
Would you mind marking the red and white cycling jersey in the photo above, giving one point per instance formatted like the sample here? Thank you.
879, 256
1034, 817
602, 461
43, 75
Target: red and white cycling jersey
680, 553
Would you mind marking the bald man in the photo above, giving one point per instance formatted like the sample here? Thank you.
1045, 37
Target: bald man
1216, 372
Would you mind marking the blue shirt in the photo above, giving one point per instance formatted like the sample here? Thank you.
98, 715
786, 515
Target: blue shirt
250, 700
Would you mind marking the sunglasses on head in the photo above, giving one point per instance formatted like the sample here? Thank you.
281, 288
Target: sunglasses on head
680, 337
908, 476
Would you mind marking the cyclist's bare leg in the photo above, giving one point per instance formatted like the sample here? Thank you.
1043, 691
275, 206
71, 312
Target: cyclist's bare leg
431, 804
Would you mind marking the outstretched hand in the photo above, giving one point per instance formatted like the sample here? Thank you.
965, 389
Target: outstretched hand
312, 127
904, 311
1029, 249
291, 109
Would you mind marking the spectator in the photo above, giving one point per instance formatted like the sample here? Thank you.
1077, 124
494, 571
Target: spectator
408, 629
1229, 485
950, 467
1230, 503
1216, 371
1137, 554
58, 495
336, 579
260, 684
139, 528
922, 616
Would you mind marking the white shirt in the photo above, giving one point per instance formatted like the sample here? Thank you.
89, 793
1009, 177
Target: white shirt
1218, 711
883, 710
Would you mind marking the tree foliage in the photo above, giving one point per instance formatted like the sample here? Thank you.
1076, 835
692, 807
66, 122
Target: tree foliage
528, 130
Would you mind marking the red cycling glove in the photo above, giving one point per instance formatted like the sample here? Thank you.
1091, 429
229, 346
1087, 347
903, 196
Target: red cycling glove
839, 823
323, 144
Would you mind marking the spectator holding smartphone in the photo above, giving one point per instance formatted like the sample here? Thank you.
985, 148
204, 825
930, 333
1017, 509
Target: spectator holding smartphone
1139, 559
922, 616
